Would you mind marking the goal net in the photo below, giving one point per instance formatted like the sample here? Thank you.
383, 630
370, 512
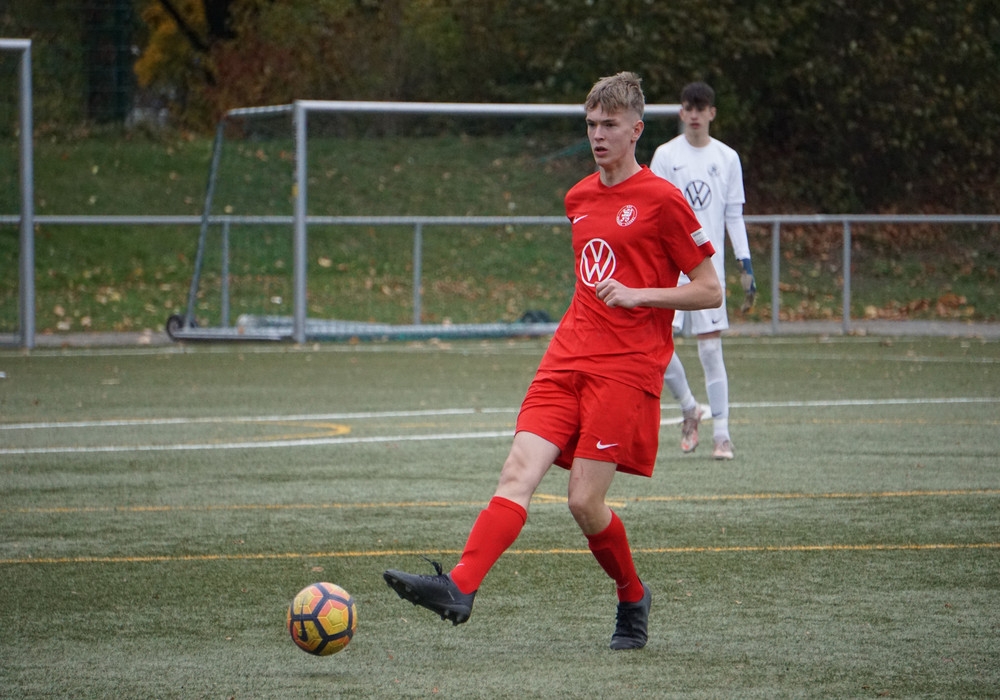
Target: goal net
342, 220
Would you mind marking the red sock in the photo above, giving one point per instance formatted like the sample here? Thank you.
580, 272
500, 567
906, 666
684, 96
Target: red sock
496, 528
610, 548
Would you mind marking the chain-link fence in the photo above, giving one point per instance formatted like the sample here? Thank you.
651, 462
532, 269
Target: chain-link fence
83, 53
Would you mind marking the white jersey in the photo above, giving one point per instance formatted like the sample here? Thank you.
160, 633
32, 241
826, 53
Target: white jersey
711, 179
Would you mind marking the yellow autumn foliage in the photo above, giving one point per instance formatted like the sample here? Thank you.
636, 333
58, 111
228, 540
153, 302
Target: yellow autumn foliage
168, 55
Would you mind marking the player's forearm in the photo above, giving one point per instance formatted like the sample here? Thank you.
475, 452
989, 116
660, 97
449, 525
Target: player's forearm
736, 227
705, 292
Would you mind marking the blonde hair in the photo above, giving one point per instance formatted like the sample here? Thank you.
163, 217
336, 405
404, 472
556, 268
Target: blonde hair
617, 92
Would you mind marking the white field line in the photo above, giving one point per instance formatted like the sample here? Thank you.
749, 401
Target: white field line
351, 440
304, 442
834, 357
506, 347
368, 415
293, 418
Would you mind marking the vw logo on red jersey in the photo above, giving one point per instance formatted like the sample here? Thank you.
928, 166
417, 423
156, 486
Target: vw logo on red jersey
627, 215
597, 262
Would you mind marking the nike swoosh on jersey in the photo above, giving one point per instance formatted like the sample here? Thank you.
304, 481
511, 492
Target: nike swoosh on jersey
603, 446
580, 218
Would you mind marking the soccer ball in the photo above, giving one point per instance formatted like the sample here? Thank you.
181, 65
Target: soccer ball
322, 619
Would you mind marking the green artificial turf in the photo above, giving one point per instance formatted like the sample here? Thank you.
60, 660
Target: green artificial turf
159, 509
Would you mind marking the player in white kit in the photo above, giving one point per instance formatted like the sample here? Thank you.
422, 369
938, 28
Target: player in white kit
709, 174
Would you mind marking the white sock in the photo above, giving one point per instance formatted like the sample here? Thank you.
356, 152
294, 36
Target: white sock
676, 380
716, 384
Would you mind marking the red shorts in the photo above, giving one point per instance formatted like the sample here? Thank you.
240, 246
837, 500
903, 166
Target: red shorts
593, 418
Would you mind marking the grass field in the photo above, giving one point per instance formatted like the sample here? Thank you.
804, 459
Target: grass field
159, 509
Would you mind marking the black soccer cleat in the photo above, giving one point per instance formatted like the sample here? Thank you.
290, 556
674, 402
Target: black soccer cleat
631, 623
437, 593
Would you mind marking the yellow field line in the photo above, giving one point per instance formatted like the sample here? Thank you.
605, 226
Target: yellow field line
763, 549
538, 499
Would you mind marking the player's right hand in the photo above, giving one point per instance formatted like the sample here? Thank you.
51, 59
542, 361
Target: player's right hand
749, 284
614, 293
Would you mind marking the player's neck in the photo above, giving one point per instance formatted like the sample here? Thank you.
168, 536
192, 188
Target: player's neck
620, 172
698, 139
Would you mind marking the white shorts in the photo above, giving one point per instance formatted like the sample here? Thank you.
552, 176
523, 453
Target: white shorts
704, 320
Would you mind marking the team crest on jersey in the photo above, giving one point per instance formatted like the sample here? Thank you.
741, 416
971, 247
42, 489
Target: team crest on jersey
597, 261
627, 215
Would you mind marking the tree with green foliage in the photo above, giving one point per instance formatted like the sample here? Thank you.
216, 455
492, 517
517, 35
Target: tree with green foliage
834, 105
873, 105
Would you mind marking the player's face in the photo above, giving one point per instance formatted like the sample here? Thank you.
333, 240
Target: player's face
613, 136
696, 119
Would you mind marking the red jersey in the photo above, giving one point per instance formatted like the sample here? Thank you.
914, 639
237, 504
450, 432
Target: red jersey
643, 233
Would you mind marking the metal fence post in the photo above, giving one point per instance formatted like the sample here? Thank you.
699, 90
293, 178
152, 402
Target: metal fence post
418, 262
224, 282
775, 269
846, 322
27, 205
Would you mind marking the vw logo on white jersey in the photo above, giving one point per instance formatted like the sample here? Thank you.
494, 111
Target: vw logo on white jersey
699, 194
597, 262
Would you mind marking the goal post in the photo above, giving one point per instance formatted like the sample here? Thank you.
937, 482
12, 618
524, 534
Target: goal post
26, 258
302, 114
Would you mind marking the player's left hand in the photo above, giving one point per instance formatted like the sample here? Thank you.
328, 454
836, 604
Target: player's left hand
614, 293
749, 284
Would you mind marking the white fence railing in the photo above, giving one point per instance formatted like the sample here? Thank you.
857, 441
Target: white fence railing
297, 329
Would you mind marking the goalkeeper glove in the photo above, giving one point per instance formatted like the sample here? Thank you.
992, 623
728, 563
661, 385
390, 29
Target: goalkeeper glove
749, 284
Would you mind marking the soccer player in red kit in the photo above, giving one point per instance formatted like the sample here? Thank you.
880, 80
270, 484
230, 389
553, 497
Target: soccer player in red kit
593, 406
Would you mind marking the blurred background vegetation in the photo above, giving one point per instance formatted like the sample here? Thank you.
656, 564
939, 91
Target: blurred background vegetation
836, 106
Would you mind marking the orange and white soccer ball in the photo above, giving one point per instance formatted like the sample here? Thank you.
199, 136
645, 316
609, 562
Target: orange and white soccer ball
322, 619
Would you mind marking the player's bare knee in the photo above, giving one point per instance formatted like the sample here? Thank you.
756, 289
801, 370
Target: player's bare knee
518, 479
589, 512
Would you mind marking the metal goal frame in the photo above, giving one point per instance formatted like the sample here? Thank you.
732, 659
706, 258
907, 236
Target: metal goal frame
26, 264
300, 329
